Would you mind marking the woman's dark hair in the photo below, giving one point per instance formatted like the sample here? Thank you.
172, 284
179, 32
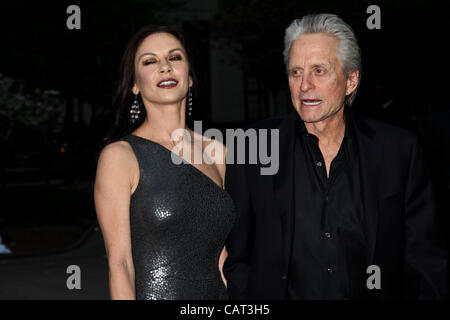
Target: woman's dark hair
121, 125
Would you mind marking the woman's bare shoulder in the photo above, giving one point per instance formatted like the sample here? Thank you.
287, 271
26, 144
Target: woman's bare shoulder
117, 157
117, 150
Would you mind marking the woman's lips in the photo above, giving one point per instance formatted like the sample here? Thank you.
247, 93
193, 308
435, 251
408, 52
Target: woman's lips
167, 83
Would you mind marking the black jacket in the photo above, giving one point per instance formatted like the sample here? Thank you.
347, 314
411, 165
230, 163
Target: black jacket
402, 230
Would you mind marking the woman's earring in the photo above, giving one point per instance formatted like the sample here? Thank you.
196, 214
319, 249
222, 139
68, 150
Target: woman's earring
189, 101
135, 110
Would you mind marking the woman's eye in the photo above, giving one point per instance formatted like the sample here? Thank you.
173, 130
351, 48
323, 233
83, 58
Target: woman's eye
175, 58
150, 61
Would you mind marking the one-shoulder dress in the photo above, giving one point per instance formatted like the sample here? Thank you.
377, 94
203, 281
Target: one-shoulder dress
179, 220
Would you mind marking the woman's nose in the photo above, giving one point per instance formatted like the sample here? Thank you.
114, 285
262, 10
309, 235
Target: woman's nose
165, 67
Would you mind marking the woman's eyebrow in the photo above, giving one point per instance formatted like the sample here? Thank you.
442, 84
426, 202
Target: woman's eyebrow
154, 54
172, 50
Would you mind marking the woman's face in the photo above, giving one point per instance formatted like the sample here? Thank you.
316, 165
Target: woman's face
162, 70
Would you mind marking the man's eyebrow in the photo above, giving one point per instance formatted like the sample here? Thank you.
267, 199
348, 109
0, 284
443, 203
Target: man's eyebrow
295, 67
319, 65
316, 65
154, 54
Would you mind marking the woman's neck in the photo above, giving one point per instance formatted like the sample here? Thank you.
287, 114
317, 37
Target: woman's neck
162, 121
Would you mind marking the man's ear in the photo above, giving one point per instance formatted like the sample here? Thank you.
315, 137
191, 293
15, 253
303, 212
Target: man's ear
352, 82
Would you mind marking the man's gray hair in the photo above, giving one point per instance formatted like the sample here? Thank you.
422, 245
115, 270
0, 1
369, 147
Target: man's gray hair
349, 53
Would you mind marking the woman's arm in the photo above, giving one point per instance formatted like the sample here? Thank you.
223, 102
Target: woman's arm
222, 257
117, 176
222, 167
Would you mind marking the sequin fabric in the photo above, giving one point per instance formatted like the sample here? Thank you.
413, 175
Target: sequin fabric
179, 221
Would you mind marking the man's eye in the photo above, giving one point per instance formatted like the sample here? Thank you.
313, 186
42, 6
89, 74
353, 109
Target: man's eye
295, 72
320, 71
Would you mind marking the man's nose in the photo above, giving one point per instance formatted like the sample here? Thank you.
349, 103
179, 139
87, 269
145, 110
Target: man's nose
306, 83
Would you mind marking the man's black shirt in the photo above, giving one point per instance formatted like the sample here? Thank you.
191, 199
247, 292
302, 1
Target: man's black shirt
329, 246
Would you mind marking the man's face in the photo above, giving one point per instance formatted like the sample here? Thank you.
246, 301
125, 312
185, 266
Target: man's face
316, 79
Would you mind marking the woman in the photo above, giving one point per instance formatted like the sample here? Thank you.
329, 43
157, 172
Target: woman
164, 224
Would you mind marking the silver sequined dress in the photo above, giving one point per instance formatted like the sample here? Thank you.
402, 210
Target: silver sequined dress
179, 221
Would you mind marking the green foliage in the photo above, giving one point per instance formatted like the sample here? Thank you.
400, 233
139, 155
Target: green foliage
41, 111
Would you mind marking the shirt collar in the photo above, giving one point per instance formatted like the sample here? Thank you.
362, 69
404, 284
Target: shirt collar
349, 130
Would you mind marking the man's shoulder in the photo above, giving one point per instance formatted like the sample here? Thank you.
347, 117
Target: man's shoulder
385, 131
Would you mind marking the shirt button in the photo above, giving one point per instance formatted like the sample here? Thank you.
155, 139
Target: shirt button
319, 164
327, 235
283, 278
326, 198
330, 270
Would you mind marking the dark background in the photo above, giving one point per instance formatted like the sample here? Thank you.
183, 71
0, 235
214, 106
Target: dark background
49, 140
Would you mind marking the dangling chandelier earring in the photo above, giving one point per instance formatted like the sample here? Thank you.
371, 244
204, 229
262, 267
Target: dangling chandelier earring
135, 110
189, 102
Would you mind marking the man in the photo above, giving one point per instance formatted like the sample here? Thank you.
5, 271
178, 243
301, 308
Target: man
350, 213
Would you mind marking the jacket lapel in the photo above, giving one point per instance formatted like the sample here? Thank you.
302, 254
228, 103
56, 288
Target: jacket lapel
370, 156
284, 184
